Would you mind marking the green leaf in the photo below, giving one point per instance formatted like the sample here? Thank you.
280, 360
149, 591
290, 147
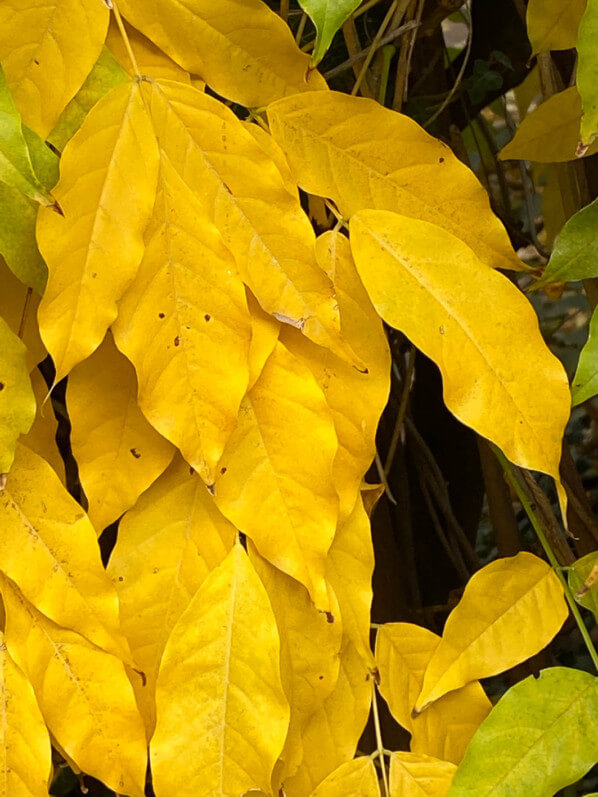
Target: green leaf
327, 16
575, 253
16, 168
583, 582
539, 738
587, 71
17, 402
18, 215
106, 74
585, 381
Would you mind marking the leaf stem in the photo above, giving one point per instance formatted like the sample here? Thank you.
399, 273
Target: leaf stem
379, 744
123, 33
556, 566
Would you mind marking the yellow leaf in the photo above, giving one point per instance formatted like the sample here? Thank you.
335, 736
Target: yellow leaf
152, 62
49, 548
413, 775
550, 133
310, 647
357, 777
330, 737
184, 323
361, 155
498, 375
552, 24
244, 51
445, 728
349, 571
220, 672
166, 546
17, 402
15, 304
264, 337
41, 438
25, 749
510, 610
271, 148
275, 484
106, 191
118, 453
47, 49
84, 695
356, 399
241, 191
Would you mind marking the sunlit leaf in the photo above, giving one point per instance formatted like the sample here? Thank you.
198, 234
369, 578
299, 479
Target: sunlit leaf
328, 16
310, 647
276, 485
575, 253
41, 438
84, 695
550, 133
537, 739
108, 176
47, 50
361, 155
167, 544
105, 75
220, 671
476, 326
583, 581
445, 728
416, 775
244, 51
587, 71
510, 610
152, 62
264, 337
49, 548
357, 777
552, 24
25, 751
17, 402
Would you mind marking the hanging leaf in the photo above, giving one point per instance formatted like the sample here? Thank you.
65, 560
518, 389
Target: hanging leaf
47, 51
310, 647
349, 570
444, 729
517, 600
49, 549
575, 253
550, 133
356, 398
106, 191
413, 775
331, 736
357, 777
536, 740
585, 381
264, 337
220, 671
242, 192
118, 453
361, 155
553, 25
105, 75
328, 16
245, 52
185, 326
84, 695
17, 402
583, 582
275, 484
476, 326
25, 750
16, 168
18, 308
152, 62
587, 71
166, 546
41, 438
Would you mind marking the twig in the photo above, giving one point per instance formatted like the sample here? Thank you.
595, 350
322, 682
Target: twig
374, 45
284, 9
379, 743
396, 434
23, 321
357, 57
301, 28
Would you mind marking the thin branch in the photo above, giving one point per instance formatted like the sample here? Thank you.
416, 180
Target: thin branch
357, 57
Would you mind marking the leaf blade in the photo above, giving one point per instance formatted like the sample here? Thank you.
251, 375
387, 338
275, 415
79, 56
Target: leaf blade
17, 402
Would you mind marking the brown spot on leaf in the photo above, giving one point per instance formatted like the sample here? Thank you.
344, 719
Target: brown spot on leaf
177, 340
222, 471
161, 315
135, 453
208, 317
